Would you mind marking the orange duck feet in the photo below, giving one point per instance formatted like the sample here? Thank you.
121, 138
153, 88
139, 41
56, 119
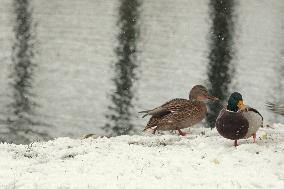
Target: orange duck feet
254, 138
236, 143
181, 133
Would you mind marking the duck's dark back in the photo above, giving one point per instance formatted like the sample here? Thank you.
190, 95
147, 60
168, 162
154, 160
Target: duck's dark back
231, 125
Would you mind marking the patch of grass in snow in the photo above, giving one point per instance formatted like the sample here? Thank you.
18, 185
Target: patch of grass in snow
69, 156
27, 152
155, 141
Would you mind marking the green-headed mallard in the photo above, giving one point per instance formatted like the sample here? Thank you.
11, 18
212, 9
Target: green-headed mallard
238, 121
179, 113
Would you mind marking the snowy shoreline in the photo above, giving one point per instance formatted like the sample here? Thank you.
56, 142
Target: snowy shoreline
161, 161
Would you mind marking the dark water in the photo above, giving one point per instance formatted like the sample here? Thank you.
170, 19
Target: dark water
74, 67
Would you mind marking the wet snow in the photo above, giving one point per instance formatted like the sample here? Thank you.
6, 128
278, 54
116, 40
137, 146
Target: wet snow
202, 159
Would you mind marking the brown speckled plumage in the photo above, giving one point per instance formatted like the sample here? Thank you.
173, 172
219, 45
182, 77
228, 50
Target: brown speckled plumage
179, 113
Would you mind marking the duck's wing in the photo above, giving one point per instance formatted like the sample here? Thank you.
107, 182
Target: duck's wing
278, 109
255, 111
254, 118
188, 113
170, 106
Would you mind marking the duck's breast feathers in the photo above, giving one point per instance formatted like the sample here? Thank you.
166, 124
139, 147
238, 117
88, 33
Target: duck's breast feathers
232, 125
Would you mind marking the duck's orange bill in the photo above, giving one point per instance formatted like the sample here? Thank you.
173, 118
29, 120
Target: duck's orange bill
241, 105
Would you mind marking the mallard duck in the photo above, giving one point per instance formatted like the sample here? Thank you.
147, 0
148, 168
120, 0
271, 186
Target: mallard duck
238, 121
179, 113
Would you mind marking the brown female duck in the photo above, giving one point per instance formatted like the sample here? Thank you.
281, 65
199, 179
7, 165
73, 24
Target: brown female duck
238, 121
179, 113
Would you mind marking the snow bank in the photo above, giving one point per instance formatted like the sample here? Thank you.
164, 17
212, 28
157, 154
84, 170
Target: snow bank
203, 159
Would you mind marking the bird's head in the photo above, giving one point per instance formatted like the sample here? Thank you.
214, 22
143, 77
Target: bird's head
199, 92
235, 102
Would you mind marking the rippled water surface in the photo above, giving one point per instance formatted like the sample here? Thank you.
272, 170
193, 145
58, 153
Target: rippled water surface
76, 78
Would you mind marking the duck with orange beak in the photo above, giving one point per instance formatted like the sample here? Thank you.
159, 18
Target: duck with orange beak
237, 120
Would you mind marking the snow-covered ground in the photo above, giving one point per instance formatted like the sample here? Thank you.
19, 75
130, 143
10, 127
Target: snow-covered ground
203, 159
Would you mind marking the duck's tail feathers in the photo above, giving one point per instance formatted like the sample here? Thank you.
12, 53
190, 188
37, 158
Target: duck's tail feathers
145, 112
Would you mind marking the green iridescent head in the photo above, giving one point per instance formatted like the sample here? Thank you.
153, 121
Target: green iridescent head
235, 102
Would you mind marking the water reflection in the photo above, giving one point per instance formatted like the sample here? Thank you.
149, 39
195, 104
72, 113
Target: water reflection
20, 122
120, 112
220, 69
277, 92
77, 45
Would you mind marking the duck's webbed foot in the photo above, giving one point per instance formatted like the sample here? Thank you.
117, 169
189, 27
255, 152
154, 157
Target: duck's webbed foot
181, 133
154, 130
236, 143
254, 137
